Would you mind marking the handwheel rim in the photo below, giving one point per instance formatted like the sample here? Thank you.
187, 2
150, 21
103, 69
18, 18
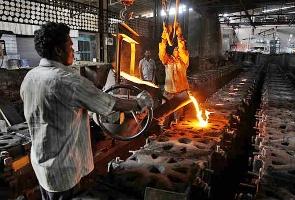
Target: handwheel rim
148, 118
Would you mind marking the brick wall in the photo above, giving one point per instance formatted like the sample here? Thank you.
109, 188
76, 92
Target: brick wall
10, 82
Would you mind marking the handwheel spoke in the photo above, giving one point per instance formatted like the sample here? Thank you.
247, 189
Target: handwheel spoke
136, 119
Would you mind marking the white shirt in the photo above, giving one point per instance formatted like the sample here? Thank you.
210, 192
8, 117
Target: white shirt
148, 69
56, 101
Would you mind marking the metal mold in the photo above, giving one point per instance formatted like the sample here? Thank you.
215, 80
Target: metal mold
275, 128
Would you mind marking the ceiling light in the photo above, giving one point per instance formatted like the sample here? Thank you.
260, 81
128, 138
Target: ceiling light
172, 11
163, 13
148, 15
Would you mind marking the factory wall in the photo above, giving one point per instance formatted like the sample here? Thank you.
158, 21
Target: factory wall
229, 38
19, 44
194, 33
210, 41
11, 49
21, 47
210, 35
27, 52
204, 40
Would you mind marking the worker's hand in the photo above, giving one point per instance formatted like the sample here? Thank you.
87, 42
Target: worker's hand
144, 100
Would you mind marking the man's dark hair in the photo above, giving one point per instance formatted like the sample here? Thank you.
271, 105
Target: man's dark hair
49, 36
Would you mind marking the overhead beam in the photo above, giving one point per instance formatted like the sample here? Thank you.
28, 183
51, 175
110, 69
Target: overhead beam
265, 31
262, 15
247, 13
288, 22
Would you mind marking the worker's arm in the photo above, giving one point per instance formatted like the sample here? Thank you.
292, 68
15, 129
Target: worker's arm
126, 105
164, 57
81, 93
183, 52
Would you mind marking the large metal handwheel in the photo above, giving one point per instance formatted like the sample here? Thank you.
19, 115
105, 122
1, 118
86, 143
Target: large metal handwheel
125, 125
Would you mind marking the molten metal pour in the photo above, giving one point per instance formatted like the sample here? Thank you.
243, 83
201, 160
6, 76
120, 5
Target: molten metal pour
134, 79
199, 112
202, 122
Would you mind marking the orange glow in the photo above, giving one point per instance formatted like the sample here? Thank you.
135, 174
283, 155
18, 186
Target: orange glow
132, 58
136, 80
202, 122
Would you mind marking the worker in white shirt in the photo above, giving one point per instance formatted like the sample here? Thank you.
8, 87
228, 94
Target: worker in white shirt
147, 68
56, 104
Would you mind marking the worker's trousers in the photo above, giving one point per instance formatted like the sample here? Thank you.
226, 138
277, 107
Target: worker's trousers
65, 195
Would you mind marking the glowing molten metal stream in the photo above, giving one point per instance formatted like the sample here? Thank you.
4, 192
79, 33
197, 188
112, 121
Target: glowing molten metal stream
202, 122
137, 80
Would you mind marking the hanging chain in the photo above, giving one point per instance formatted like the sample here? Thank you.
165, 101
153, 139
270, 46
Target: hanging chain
165, 5
124, 15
